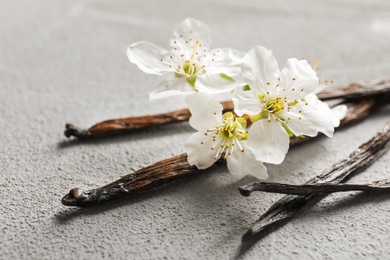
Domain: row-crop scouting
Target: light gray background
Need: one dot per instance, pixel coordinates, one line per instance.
(65, 61)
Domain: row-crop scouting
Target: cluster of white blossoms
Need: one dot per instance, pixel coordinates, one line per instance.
(269, 107)
(193, 66)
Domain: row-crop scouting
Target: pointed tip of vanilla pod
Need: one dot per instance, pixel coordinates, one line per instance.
(70, 199)
(244, 191)
(71, 130)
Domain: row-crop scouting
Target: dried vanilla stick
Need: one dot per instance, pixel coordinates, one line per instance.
(360, 90)
(132, 124)
(316, 188)
(177, 167)
(289, 205)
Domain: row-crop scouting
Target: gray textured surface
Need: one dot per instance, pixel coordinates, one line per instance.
(64, 61)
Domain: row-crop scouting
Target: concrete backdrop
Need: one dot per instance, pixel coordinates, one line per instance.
(65, 61)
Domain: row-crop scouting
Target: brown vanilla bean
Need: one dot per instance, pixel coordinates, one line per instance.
(132, 124)
(146, 178)
(307, 189)
(174, 168)
(290, 205)
(358, 90)
(120, 126)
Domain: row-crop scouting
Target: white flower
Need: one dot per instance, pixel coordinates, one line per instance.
(220, 135)
(281, 104)
(194, 67)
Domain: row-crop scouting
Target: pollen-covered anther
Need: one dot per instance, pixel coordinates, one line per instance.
(242, 150)
(293, 78)
(215, 113)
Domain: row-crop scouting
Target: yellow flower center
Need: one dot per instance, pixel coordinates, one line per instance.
(228, 133)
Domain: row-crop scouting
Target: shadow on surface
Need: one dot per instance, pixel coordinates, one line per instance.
(359, 198)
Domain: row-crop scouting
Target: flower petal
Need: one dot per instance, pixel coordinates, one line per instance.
(298, 79)
(314, 117)
(259, 67)
(214, 84)
(172, 87)
(246, 102)
(206, 112)
(147, 56)
(339, 112)
(336, 113)
(201, 155)
(192, 30)
(269, 141)
(226, 60)
(244, 163)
